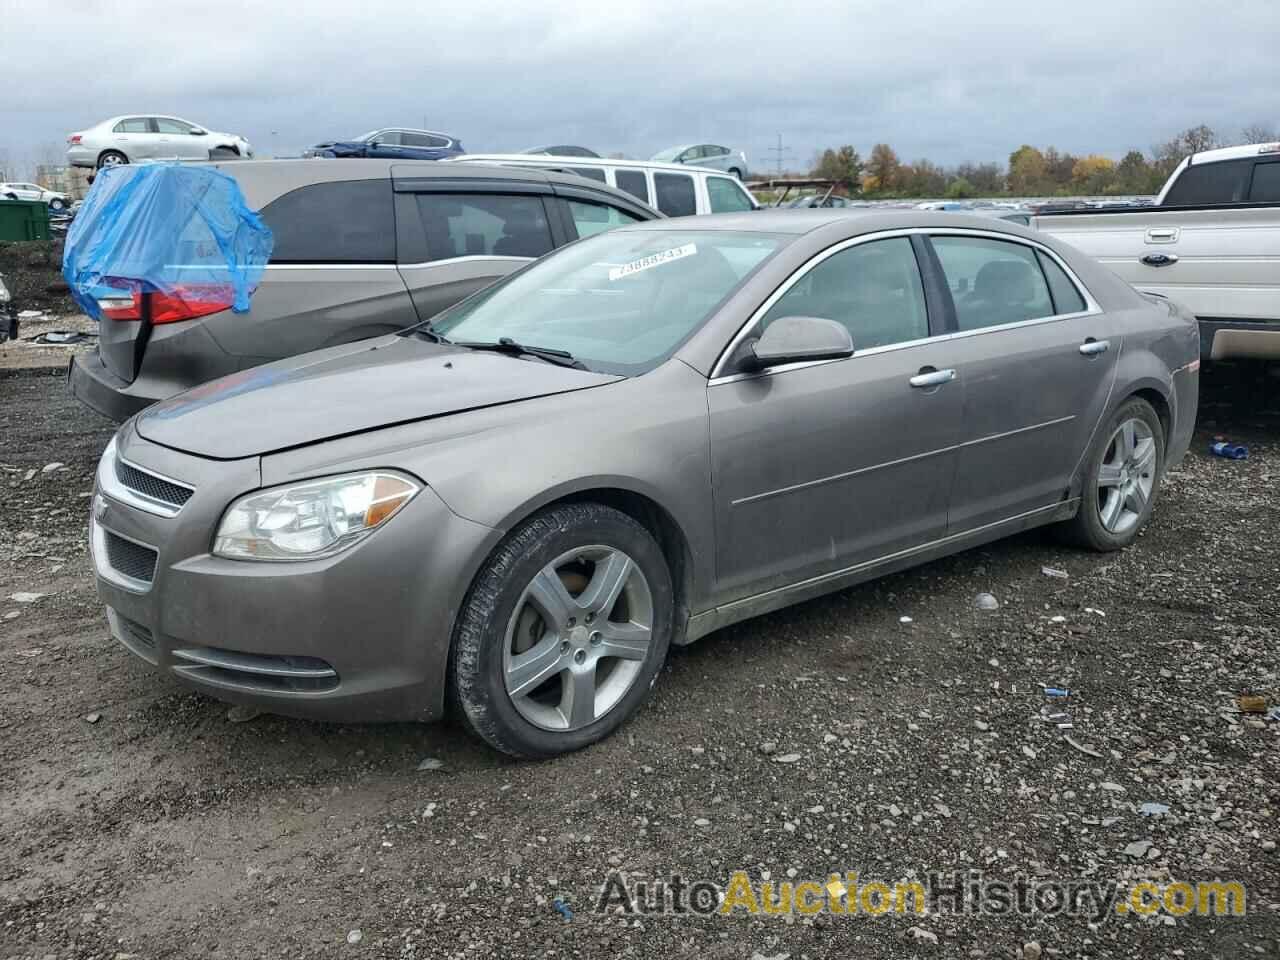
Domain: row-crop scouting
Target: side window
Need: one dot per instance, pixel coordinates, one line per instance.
(632, 181)
(1266, 183)
(593, 218)
(726, 196)
(874, 289)
(993, 282)
(389, 138)
(439, 143)
(415, 140)
(480, 225)
(1205, 183)
(133, 125)
(591, 173)
(348, 221)
(676, 197)
(165, 125)
(1066, 298)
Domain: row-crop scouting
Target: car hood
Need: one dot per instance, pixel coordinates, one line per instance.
(348, 389)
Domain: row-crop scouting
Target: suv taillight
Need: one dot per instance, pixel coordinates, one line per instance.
(128, 301)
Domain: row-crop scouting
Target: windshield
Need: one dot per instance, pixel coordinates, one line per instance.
(619, 302)
(666, 156)
(364, 137)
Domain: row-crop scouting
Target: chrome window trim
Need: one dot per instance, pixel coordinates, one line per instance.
(102, 564)
(109, 484)
(470, 257)
(717, 377)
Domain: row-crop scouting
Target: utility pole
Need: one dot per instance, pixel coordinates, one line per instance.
(780, 154)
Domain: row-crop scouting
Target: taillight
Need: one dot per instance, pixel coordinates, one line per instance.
(128, 301)
(74, 138)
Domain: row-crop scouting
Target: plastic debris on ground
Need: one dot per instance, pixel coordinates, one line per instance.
(182, 235)
(1153, 809)
(1229, 451)
(1250, 703)
(1055, 573)
(62, 338)
(431, 763)
(985, 601)
(562, 908)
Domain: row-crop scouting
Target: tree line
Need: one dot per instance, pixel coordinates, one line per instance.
(1030, 171)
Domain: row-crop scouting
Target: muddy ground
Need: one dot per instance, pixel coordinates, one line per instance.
(138, 820)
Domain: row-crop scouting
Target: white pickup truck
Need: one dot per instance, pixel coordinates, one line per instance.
(1211, 242)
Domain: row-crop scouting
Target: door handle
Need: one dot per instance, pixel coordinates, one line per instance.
(1091, 347)
(929, 377)
(1162, 235)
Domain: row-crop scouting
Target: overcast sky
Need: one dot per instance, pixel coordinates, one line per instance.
(953, 82)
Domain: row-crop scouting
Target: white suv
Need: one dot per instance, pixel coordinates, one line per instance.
(33, 191)
(677, 189)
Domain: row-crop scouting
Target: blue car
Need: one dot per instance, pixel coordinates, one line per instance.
(392, 143)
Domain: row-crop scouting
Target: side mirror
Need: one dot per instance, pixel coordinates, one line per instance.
(197, 132)
(799, 339)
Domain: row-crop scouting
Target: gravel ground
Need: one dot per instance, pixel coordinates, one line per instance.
(138, 820)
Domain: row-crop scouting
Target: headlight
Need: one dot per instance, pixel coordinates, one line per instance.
(4, 291)
(307, 521)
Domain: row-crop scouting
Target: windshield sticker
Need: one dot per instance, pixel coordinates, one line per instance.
(653, 260)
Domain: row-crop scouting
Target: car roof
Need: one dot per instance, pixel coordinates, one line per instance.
(850, 222)
(264, 180)
(1236, 153)
(528, 159)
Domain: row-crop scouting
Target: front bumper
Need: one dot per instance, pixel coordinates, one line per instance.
(361, 636)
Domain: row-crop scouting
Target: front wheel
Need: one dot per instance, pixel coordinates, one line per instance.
(1122, 475)
(563, 631)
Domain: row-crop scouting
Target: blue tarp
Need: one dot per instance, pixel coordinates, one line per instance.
(182, 231)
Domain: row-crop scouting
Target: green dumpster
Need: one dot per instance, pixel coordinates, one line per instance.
(24, 220)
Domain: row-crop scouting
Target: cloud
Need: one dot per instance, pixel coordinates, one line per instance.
(964, 81)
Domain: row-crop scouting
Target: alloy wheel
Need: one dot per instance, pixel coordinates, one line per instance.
(578, 637)
(1126, 476)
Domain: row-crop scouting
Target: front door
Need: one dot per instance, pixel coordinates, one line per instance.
(1037, 361)
(820, 467)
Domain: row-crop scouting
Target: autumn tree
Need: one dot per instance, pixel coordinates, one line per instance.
(884, 167)
(1093, 174)
(1027, 174)
(986, 179)
(844, 166)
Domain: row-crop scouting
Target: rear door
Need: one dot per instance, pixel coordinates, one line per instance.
(332, 276)
(1038, 360)
(455, 237)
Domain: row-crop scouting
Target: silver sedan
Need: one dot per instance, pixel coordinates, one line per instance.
(515, 509)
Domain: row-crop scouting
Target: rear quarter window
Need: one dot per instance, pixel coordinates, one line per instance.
(1266, 183)
(348, 221)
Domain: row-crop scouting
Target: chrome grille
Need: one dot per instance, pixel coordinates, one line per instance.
(131, 559)
(150, 486)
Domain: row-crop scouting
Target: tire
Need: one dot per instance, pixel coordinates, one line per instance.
(513, 666)
(111, 158)
(57, 205)
(1114, 508)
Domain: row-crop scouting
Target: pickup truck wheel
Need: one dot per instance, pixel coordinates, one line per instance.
(57, 204)
(563, 631)
(111, 158)
(1122, 474)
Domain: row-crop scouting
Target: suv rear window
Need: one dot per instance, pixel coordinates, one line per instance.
(348, 221)
(479, 225)
(1206, 183)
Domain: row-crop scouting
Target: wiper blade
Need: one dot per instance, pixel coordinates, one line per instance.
(506, 345)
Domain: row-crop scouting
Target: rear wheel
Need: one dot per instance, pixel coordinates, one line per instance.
(57, 203)
(1122, 477)
(563, 631)
(111, 158)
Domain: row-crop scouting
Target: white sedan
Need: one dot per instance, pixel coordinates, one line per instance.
(129, 139)
(33, 191)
